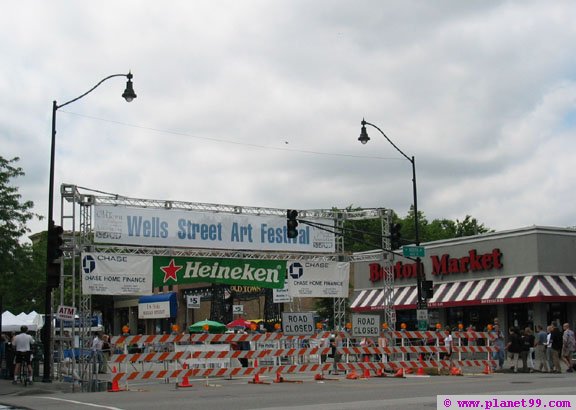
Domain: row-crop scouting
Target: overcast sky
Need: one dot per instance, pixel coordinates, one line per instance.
(259, 103)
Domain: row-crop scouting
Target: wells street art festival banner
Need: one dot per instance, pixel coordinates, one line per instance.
(115, 274)
(212, 230)
(118, 274)
(318, 279)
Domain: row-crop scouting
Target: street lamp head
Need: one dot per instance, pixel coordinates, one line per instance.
(129, 93)
(363, 138)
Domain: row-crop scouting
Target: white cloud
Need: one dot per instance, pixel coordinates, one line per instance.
(247, 102)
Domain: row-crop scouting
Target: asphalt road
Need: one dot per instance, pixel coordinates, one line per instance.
(374, 393)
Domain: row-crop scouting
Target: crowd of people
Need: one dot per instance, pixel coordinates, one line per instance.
(548, 351)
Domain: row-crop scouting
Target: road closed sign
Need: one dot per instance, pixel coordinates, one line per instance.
(298, 324)
(365, 325)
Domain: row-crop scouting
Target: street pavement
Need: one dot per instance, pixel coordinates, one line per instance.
(337, 393)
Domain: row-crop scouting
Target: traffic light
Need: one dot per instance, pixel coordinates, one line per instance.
(395, 235)
(55, 243)
(291, 223)
(53, 254)
(427, 289)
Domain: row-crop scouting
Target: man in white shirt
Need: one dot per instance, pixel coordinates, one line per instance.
(97, 358)
(22, 343)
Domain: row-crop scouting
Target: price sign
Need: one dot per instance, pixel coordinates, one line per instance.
(365, 325)
(193, 301)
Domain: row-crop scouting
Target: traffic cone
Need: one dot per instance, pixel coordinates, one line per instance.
(256, 380)
(352, 375)
(185, 382)
(420, 372)
(380, 373)
(399, 373)
(366, 373)
(487, 369)
(454, 371)
(115, 387)
(278, 379)
(318, 376)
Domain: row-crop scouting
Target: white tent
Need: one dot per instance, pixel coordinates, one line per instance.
(32, 320)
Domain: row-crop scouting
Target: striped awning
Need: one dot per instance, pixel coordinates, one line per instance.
(521, 289)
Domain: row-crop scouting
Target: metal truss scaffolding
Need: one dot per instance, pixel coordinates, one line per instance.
(81, 239)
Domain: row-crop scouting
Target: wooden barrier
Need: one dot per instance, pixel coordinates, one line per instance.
(207, 355)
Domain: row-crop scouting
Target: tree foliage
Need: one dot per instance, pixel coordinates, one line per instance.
(21, 269)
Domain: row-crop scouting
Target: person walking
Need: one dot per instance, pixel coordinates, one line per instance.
(22, 343)
(96, 350)
(556, 348)
(499, 343)
(528, 350)
(514, 347)
(568, 345)
(540, 349)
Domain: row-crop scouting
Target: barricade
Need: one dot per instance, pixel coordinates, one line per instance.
(208, 355)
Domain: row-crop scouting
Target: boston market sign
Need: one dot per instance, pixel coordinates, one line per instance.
(444, 265)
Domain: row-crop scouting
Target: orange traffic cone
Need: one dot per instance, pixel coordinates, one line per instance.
(454, 371)
(366, 373)
(487, 369)
(115, 387)
(278, 379)
(380, 373)
(185, 382)
(318, 376)
(256, 380)
(420, 372)
(399, 373)
(352, 375)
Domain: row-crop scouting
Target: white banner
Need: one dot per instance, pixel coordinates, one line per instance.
(212, 230)
(318, 279)
(116, 274)
(154, 310)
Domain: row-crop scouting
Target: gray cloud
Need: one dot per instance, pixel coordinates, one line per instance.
(259, 103)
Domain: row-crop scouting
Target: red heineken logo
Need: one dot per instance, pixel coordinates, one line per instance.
(170, 271)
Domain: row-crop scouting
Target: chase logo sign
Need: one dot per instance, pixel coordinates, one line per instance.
(296, 270)
(88, 264)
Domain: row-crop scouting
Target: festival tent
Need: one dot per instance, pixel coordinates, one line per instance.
(12, 323)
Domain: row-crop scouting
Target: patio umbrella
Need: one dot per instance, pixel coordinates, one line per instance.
(239, 323)
(213, 327)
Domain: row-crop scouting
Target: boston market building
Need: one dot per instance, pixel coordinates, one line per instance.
(523, 277)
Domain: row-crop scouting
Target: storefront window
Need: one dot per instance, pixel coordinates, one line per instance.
(521, 315)
(556, 313)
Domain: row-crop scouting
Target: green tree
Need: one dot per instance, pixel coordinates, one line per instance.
(19, 275)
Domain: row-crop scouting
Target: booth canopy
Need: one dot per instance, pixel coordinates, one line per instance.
(12, 323)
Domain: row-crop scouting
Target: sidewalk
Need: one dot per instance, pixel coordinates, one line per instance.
(9, 389)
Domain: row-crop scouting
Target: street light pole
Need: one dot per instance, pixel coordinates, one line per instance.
(128, 95)
(364, 138)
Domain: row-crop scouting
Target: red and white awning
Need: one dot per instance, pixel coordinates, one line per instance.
(521, 289)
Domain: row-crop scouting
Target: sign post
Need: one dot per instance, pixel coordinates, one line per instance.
(422, 318)
(365, 325)
(414, 251)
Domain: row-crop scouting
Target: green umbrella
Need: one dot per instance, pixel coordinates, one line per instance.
(213, 327)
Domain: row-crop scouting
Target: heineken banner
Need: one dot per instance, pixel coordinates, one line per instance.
(212, 230)
(318, 279)
(115, 274)
(244, 272)
(118, 274)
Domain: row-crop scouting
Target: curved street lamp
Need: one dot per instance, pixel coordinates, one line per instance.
(128, 95)
(364, 138)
